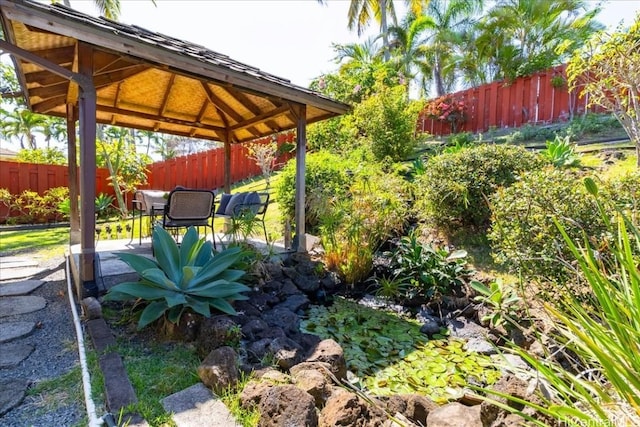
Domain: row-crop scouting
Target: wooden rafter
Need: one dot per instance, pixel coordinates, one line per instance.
(167, 93)
(153, 117)
(261, 118)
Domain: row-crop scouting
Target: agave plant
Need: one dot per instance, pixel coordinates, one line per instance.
(191, 277)
(561, 153)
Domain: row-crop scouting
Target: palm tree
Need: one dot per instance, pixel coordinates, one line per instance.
(524, 36)
(361, 12)
(409, 52)
(450, 19)
(54, 128)
(148, 137)
(21, 124)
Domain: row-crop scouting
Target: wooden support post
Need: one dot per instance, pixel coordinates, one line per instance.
(300, 112)
(227, 161)
(87, 109)
(74, 193)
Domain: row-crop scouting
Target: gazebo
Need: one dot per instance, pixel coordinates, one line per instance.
(94, 70)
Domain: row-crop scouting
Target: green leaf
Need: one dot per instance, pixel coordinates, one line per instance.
(204, 254)
(151, 313)
(167, 253)
(218, 264)
(175, 299)
(219, 289)
(138, 262)
(157, 276)
(591, 186)
(191, 244)
(138, 290)
(223, 306)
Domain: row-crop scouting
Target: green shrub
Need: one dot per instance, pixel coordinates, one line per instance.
(523, 235)
(336, 135)
(355, 225)
(456, 186)
(326, 176)
(189, 277)
(601, 385)
(387, 123)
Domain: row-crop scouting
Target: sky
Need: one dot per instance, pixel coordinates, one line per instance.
(289, 38)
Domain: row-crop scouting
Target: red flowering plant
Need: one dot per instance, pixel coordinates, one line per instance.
(447, 109)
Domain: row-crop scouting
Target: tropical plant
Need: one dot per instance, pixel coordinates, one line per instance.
(127, 168)
(522, 37)
(48, 156)
(607, 70)
(523, 236)
(449, 21)
(21, 124)
(602, 385)
(104, 202)
(561, 153)
(354, 226)
(387, 122)
(432, 272)
(502, 300)
(447, 109)
(189, 277)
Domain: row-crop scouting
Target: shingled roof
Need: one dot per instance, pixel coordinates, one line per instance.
(151, 81)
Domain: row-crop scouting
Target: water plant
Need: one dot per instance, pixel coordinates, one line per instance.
(189, 277)
(390, 355)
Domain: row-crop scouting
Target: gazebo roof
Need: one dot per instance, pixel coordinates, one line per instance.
(147, 80)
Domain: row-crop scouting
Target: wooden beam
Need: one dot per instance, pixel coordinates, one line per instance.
(49, 91)
(118, 76)
(74, 191)
(153, 117)
(59, 55)
(227, 161)
(261, 118)
(220, 104)
(300, 111)
(44, 78)
(167, 93)
(45, 106)
(87, 108)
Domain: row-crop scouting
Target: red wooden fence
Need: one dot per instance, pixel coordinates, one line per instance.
(528, 100)
(206, 169)
(200, 170)
(18, 177)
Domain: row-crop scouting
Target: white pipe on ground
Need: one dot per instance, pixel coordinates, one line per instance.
(94, 421)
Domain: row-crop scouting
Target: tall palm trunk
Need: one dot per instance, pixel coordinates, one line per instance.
(384, 28)
(437, 77)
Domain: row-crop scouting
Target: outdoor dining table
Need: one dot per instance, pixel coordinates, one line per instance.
(149, 203)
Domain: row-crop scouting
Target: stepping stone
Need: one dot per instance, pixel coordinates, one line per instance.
(19, 273)
(17, 262)
(23, 287)
(196, 406)
(12, 330)
(12, 391)
(13, 353)
(10, 306)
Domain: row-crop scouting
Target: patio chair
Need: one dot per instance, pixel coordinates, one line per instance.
(189, 207)
(252, 203)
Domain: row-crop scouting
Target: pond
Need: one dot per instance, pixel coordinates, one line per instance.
(388, 354)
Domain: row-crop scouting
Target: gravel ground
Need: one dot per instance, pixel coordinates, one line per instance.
(55, 355)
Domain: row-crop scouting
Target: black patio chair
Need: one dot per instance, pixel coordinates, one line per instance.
(189, 207)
